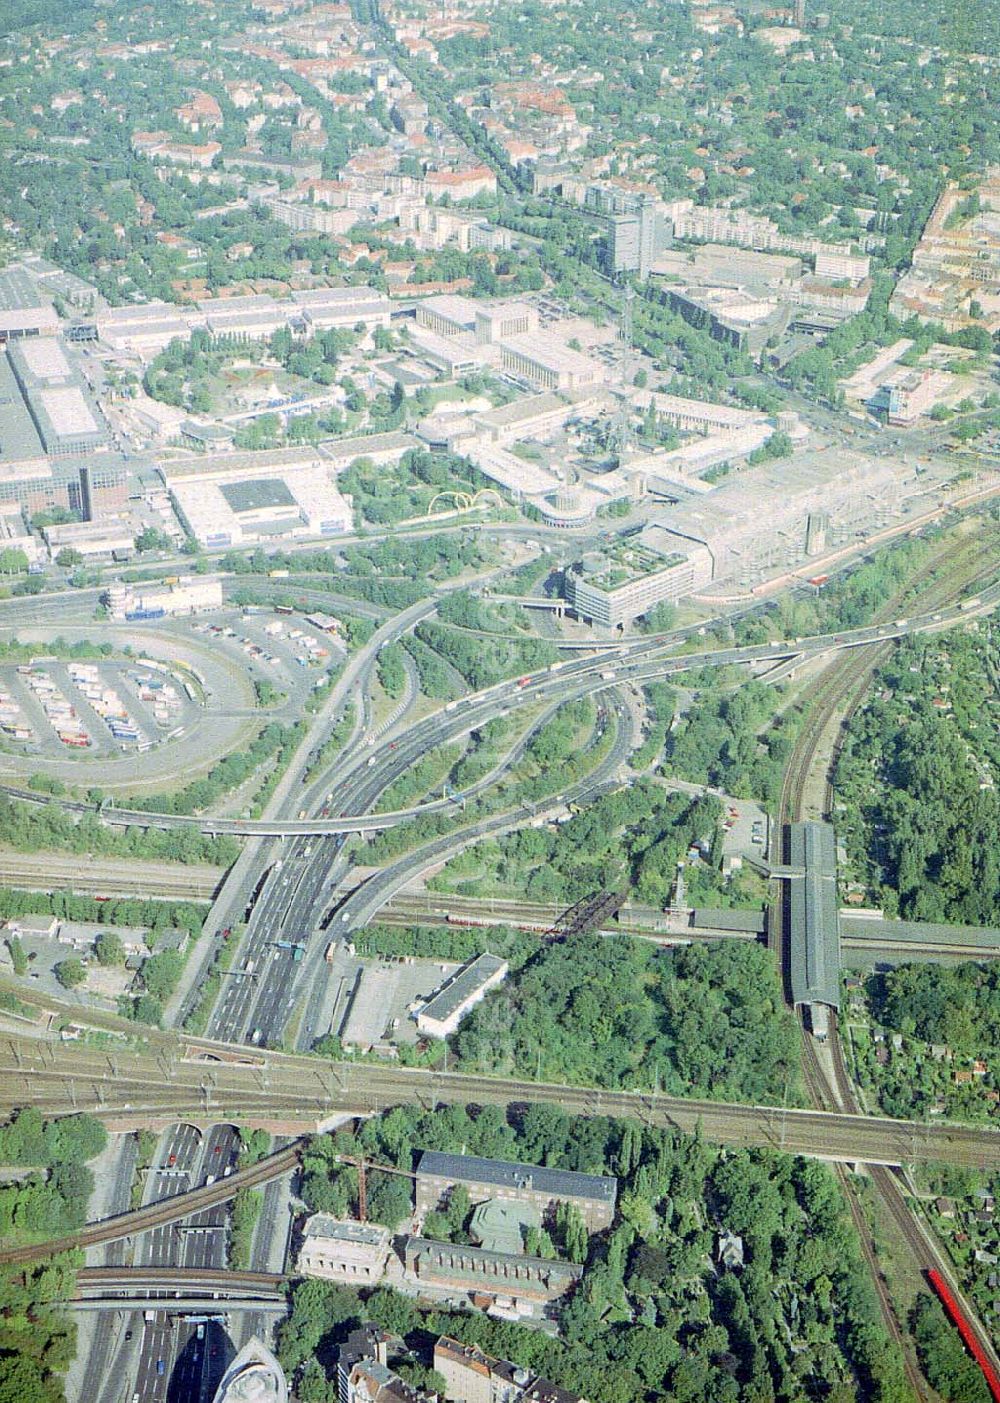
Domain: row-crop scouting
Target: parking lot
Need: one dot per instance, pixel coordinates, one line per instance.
(286, 650)
(372, 997)
(745, 829)
(54, 707)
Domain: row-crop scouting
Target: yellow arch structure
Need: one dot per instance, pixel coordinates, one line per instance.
(464, 501)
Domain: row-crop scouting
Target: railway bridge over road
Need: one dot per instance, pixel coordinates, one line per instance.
(129, 1087)
(818, 931)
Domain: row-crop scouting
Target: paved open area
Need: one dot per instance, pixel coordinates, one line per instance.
(141, 706)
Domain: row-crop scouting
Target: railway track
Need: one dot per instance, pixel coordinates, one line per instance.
(832, 700)
(80, 879)
(165, 1211)
(109, 1279)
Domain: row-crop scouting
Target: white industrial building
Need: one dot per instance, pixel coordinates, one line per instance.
(534, 416)
(192, 594)
(448, 314)
(339, 1249)
(92, 540)
(460, 992)
(766, 518)
(326, 307)
(254, 317)
(697, 415)
(452, 355)
(544, 359)
(240, 498)
(659, 577)
(499, 321)
(146, 329)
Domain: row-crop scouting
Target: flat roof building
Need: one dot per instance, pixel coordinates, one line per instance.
(325, 307)
(192, 594)
(438, 1173)
(621, 585)
(93, 540)
(447, 314)
(254, 317)
(380, 448)
(19, 439)
(542, 358)
(53, 392)
(23, 313)
(144, 330)
(503, 319)
(230, 498)
(766, 515)
(460, 992)
(453, 355)
(814, 921)
(696, 415)
(531, 416)
(338, 1249)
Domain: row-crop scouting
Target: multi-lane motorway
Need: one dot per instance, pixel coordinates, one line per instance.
(639, 661)
(299, 889)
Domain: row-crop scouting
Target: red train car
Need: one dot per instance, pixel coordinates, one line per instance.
(956, 1314)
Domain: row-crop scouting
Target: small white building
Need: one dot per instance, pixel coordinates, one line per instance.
(339, 1249)
(459, 993)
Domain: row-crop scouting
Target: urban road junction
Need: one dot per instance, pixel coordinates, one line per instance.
(635, 662)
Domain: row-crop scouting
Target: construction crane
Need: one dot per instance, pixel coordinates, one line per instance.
(362, 1165)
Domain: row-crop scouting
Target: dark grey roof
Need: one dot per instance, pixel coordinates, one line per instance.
(879, 931)
(461, 985)
(17, 291)
(426, 1247)
(18, 435)
(814, 924)
(256, 494)
(508, 1174)
(733, 918)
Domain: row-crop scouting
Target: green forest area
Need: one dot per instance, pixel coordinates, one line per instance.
(37, 1338)
(632, 837)
(916, 781)
(618, 1012)
(28, 828)
(657, 1316)
(933, 1045)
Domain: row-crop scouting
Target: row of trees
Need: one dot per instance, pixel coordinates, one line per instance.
(274, 743)
(28, 828)
(154, 916)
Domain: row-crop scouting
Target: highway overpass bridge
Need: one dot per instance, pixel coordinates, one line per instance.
(636, 663)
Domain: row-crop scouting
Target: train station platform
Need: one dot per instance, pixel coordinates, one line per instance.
(874, 938)
(813, 914)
